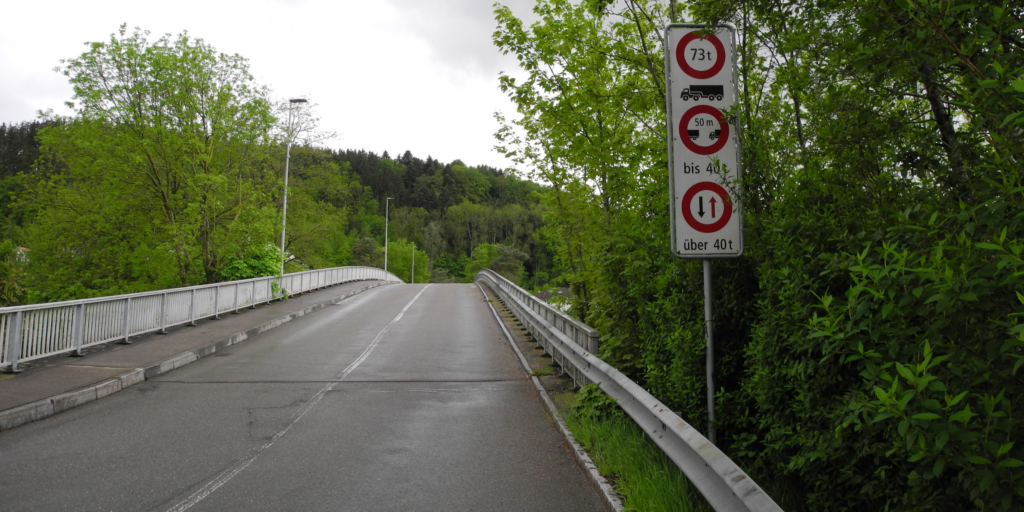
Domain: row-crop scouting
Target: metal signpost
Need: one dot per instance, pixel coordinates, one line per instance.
(704, 157)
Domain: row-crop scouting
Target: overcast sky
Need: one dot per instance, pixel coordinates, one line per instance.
(395, 75)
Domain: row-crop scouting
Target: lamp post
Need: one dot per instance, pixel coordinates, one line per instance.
(387, 210)
(287, 157)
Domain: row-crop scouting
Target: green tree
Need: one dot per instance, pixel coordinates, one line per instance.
(365, 252)
(161, 178)
(401, 261)
(505, 260)
(883, 226)
(12, 261)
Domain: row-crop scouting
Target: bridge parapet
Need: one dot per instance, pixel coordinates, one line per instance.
(41, 330)
(725, 486)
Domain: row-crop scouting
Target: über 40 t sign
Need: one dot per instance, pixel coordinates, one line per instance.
(704, 153)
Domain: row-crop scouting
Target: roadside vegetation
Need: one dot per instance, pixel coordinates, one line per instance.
(869, 342)
(170, 173)
(643, 476)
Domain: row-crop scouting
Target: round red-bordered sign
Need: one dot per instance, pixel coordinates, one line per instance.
(693, 146)
(726, 207)
(707, 73)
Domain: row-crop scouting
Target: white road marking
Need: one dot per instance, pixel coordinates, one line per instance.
(239, 466)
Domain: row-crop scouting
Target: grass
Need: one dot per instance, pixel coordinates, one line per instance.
(644, 477)
(540, 372)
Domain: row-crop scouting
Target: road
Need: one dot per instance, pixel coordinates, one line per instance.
(405, 397)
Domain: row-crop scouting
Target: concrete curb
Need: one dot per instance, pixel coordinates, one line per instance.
(582, 458)
(47, 407)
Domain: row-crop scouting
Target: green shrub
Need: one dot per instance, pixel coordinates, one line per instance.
(644, 477)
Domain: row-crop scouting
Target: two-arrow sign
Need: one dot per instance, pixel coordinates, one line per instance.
(700, 207)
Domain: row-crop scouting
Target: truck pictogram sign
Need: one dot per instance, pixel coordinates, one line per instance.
(696, 92)
(704, 160)
(711, 115)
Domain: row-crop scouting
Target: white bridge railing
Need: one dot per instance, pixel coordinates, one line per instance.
(573, 346)
(42, 330)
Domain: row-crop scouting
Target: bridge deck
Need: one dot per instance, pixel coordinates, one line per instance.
(400, 398)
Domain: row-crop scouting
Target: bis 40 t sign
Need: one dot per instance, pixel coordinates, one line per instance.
(704, 160)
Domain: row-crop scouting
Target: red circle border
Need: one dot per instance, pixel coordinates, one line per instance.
(726, 207)
(696, 148)
(707, 73)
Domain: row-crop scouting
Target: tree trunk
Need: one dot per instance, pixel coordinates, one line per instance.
(958, 175)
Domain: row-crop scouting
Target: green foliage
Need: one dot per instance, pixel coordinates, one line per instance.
(592, 403)
(401, 261)
(482, 257)
(12, 259)
(867, 344)
(321, 193)
(366, 253)
(643, 475)
(505, 260)
(257, 262)
(159, 180)
(454, 267)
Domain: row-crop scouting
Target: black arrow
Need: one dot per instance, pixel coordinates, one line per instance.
(700, 207)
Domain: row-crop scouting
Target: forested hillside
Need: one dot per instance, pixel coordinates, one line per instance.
(336, 217)
(869, 342)
(170, 173)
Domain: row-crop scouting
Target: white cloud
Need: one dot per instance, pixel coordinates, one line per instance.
(390, 75)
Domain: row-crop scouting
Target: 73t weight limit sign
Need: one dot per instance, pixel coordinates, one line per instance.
(704, 161)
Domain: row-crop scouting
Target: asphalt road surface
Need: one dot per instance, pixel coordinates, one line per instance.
(404, 397)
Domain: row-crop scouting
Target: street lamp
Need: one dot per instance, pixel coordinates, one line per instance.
(287, 157)
(387, 206)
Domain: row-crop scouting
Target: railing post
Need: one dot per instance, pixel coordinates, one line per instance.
(163, 313)
(216, 302)
(76, 330)
(127, 312)
(235, 305)
(192, 308)
(252, 294)
(14, 342)
(270, 290)
(594, 342)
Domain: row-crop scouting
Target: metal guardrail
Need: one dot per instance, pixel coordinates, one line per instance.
(726, 487)
(582, 335)
(42, 330)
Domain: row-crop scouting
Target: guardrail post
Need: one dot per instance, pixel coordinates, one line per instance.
(270, 290)
(127, 310)
(14, 342)
(163, 314)
(593, 342)
(76, 330)
(235, 305)
(216, 302)
(192, 308)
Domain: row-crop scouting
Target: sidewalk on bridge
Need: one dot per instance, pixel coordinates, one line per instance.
(58, 383)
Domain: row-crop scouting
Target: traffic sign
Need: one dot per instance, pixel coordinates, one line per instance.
(717, 213)
(704, 152)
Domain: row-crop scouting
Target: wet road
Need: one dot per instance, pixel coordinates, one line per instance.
(404, 397)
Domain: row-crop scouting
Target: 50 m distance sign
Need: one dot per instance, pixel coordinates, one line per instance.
(704, 163)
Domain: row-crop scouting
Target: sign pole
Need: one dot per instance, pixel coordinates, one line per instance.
(704, 158)
(708, 331)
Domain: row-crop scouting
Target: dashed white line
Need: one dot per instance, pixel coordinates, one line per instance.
(240, 465)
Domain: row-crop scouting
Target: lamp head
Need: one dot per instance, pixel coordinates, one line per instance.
(298, 100)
